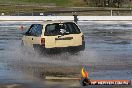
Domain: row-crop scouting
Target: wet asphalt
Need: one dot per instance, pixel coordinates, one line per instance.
(107, 56)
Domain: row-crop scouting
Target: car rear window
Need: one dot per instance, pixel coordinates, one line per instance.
(61, 28)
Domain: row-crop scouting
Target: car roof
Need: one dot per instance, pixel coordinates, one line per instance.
(51, 22)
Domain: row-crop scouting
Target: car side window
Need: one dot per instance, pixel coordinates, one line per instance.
(35, 30)
(28, 32)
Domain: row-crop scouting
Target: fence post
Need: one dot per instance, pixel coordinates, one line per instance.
(111, 12)
(130, 11)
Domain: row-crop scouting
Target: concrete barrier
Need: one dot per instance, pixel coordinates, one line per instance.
(35, 18)
(105, 18)
(71, 18)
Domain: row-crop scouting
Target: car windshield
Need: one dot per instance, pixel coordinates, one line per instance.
(61, 29)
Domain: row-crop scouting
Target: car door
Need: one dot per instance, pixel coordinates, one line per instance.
(27, 38)
(36, 34)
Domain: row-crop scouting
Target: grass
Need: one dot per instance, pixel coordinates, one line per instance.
(9, 6)
(54, 2)
(46, 2)
(13, 7)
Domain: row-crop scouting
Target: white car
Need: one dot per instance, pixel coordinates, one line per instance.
(54, 35)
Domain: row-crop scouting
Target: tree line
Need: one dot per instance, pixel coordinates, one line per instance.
(106, 3)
